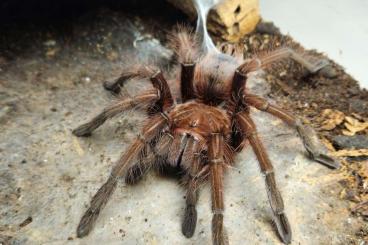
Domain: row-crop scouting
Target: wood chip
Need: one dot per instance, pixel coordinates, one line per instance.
(350, 153)
(353, 126)
(331, 118)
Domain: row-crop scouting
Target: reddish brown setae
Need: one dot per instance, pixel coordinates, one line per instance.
(197, 123)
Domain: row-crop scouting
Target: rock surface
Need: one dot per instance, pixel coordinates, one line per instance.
(350, 142)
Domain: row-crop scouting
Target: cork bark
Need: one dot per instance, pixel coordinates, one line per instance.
(230, 19)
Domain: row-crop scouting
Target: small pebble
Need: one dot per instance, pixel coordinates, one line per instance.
(328, 71)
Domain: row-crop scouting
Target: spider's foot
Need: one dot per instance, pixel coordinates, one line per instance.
(190, 221)
(86, 224)
(83, 130)
(112, 86)
(283, 227)
(219, 235)
(324, 68)
(325, 159)
(328, 71)
(97, 204)
(316, 150)
(319, 66)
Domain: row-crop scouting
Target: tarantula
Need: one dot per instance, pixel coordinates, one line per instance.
(197, 123)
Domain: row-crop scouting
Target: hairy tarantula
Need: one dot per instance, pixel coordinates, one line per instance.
(198, 122)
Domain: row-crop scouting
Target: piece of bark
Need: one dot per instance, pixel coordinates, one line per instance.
(229, 19)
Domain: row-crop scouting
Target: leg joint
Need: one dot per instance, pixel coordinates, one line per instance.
(218, 211)
(216, 160)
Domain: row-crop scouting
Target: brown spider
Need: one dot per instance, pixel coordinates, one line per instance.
(197, 123)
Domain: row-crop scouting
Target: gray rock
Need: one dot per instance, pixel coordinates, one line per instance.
(349, 142)
(358, 105)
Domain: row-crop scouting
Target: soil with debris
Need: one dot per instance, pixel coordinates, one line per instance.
(330, 100)
(50, 82)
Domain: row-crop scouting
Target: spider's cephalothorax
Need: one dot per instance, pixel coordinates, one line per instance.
(197, 122)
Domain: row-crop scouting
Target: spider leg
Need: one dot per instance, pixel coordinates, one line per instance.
(190, 215)
(166, 100)
(186, 81)
(281, 53)
(115, 85)
(162, 98)
(115, 109)
(136, 172)
(152, 155)
(315, 149)
(196, 174)
(128, 73)
(274, 196)
(185, 46)
(236, 104)
(216, 162)
(99, 200)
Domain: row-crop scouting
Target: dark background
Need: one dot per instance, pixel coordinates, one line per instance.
(39, 11)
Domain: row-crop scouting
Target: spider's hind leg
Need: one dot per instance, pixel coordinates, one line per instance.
(316, 150)
(274, 195)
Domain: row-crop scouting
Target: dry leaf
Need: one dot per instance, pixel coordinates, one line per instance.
(328, 144)
(350, 153)
(357, 116)
(364, 169)
(353, 126)
(331, 118)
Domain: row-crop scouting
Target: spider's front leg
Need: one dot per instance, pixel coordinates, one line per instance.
(190, 215)
(126, 161)
(194, 178)
(152, 130)
(128, 73)
(216, 162)
(115, 109)
(316, 150)
(277, 205)
(157, 100)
